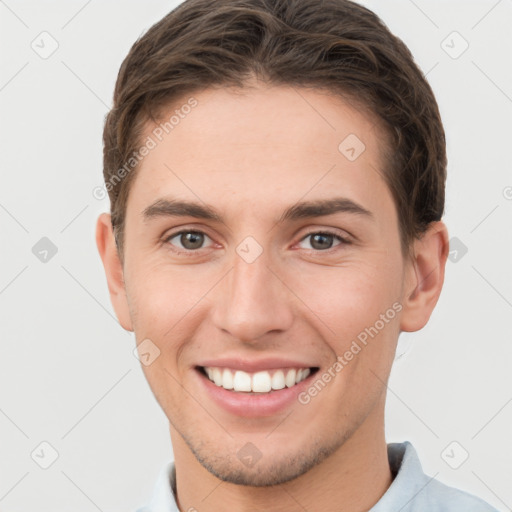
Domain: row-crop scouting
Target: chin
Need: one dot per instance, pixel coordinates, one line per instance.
(269, 469)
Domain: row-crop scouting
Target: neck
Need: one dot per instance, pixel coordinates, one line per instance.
(356, 475)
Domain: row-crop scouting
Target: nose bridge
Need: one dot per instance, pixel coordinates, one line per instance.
(253, 300)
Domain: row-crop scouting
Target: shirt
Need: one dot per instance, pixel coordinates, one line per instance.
(411, 490)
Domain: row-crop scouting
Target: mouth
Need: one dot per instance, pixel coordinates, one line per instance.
(256, 383)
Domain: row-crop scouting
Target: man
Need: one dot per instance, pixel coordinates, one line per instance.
(276, 171)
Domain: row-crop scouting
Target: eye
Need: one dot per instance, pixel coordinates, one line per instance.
(323, 240)
(190, 240)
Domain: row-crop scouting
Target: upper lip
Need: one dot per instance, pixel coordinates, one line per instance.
(250, 366)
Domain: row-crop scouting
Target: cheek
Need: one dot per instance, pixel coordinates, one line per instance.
(160, 296)
(167, 307)
(347, 300)
(162, 308)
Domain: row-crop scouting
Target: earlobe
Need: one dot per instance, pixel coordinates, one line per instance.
(113, 270)
(425, 277)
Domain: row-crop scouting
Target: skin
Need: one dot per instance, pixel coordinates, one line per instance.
(250, 155)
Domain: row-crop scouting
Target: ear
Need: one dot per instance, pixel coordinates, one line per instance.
(424, 277)
(113, 270)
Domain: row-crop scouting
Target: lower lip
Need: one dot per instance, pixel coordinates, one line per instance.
(250, 405)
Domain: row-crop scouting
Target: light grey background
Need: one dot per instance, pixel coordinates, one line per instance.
(68, 376)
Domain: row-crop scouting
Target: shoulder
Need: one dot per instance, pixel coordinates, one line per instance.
(414, 491)
(443, 498)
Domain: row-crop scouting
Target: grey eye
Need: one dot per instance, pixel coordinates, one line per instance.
(189, 240)
(320, 241)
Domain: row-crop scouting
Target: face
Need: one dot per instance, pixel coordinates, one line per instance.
(256, 245)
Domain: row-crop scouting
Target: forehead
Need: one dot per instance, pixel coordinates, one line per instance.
(260, 145)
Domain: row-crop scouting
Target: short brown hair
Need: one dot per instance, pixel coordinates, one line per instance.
(335, 45)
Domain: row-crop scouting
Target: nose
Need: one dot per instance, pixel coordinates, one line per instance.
(253, 300)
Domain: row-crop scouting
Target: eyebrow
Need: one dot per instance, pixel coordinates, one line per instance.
(302, 210)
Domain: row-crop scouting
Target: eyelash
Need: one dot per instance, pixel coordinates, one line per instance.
(189, 252)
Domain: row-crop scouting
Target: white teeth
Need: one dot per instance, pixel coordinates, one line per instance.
(259, 382)
(241, 381)
(278, 380)
(217, 376)
(227, 379)
(302, 374)
(290, 378)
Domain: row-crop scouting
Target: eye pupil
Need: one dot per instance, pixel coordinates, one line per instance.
(322, 238)
(192, 240)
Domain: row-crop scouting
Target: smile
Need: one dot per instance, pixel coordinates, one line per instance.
(258, 382)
